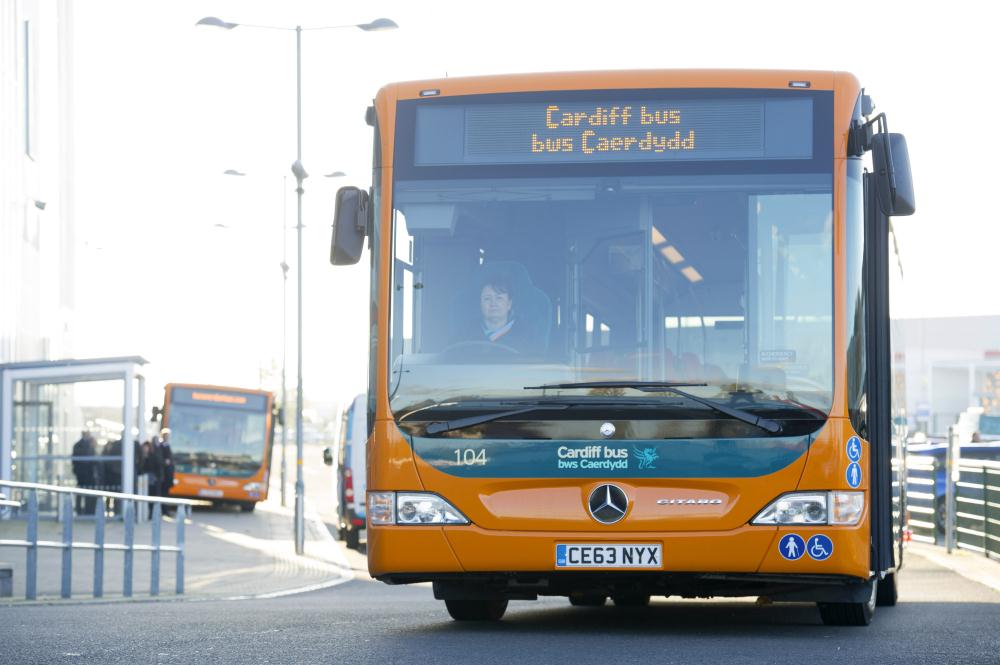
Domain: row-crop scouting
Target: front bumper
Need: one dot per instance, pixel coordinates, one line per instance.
(394, 552)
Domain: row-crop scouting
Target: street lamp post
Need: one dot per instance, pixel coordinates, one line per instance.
(284, 336)
(300, 174)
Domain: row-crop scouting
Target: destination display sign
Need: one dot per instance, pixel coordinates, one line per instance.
(218, 398)
(640, 130)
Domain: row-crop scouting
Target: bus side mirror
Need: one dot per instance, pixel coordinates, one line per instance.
(350, 226)
(892, 173)
(328, 456)
(157, 412)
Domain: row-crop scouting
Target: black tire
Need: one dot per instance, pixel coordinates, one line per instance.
(630, 600)
(476, 610)
(352, 538)
(849, 614)
(248, 506)
(887, 593)
(587, 600)
(940, 514)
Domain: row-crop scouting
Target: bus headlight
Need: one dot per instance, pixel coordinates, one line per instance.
(407, 508)
(819, 508)
(253, 487)
(424, 508)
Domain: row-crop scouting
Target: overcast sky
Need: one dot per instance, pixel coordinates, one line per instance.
(181, 263)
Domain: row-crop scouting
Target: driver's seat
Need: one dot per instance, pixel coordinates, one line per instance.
(532, 307)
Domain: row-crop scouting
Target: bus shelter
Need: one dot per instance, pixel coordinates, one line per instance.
(40, 419)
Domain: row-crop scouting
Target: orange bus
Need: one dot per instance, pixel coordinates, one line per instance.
(221, 442)
(630, 337)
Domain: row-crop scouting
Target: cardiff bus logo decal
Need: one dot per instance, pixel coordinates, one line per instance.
(646, 457)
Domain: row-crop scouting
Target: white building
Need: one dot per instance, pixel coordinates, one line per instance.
(37, 241)
(952, 363)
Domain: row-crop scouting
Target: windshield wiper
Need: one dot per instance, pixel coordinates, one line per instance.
(459, 423)
(765, 424)
(558, 404)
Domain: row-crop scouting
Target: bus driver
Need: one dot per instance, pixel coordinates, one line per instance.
(496, 305)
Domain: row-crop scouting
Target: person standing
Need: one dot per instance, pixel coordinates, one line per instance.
(146, 463)
(85, 470)
(112, 467)
(165, 462)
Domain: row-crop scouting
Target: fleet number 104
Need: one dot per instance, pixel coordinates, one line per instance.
(470, 457)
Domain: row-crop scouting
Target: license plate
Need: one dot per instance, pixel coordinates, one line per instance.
(603, 555)
(211, 494)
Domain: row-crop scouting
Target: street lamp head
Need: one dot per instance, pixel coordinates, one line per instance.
(299, 171)
(233, 172)
(216, 23)
(378, 24)
(335, 174)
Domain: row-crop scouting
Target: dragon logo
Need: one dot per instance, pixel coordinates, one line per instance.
(646, 457)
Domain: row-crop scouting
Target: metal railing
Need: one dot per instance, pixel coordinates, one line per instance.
(128, 503)
(977, 507)
(922, 498)
(954, 502)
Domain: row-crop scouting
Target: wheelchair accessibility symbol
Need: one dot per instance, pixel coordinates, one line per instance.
(854, 449)
(819, 547)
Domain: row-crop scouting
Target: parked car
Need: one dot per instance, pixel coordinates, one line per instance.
(350, 476)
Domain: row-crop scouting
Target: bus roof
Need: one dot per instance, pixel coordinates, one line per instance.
(613, 79)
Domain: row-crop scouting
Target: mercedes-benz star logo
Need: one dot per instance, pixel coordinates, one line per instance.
(608, 504)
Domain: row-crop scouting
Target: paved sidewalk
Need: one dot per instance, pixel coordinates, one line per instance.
(228, 554)
(972, 566)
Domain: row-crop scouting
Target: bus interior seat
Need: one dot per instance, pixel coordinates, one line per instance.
(532, 307)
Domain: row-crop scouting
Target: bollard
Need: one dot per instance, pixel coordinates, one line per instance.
(951, 467)
(67, 542)
(154, 573)
(986, 512)
(142, 509)
(99, 551)
(128, 517)
(181, 511)
(31, 578)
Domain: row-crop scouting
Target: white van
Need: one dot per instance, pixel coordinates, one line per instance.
(351, 477)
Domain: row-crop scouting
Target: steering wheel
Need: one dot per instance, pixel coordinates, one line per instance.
(479, 348)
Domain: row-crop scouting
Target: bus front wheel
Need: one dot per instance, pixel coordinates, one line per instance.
(850, 614)
(887, 593)
(476, 610)
(248, 506)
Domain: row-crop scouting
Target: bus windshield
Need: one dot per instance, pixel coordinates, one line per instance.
(544, 263)
(217, 439)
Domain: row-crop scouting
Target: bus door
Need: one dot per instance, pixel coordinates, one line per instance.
(891, 174)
